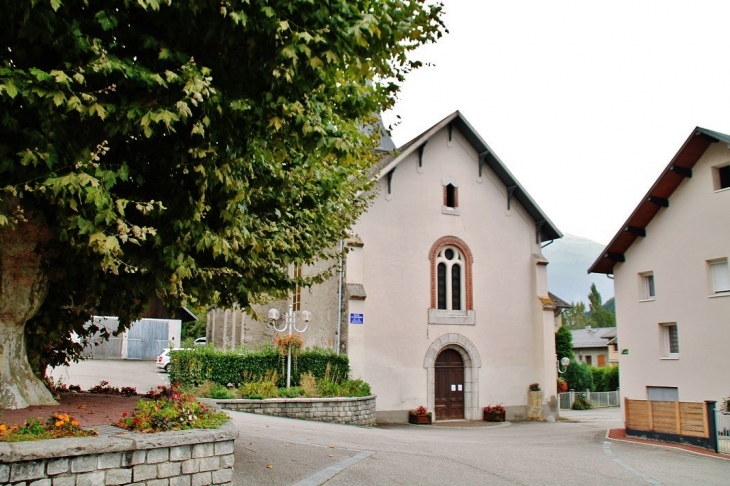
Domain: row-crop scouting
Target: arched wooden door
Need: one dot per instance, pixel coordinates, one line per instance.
(449, 399)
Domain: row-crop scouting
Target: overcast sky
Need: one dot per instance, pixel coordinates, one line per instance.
(584, 101)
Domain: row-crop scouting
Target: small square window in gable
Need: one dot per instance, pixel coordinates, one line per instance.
(450, 196)
(721, 177)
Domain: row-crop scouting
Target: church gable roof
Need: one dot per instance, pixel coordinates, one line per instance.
(487, 157)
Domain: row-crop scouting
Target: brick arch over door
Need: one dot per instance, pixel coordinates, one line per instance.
(464, 248)
(472, 363)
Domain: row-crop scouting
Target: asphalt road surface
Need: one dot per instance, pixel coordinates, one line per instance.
(279, 451)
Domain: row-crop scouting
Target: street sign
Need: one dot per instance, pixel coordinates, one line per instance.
(357, 318)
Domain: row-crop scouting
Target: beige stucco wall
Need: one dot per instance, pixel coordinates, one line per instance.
(679, 241)
(389, 350)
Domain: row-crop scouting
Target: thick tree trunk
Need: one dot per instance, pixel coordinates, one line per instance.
(22, 291)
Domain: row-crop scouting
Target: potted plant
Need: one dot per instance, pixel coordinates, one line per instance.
(494, 413)
(419, 416)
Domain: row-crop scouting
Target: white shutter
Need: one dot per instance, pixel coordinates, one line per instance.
(720, 276)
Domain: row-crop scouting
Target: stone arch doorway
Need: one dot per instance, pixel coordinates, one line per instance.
(449, 386)
(471, 364)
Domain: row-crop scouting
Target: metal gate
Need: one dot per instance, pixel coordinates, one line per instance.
(723, 432)
(146, 339)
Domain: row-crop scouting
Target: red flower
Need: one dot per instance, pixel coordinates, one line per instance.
(136, 421)
(124, 414)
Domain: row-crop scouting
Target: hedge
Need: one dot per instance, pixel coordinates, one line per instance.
(191, 367)
(605, 378)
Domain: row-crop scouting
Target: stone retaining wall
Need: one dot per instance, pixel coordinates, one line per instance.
(188, 457)
(341, 410)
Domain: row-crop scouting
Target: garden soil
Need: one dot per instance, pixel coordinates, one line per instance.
(89, 409)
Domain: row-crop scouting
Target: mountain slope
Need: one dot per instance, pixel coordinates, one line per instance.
(569, 259)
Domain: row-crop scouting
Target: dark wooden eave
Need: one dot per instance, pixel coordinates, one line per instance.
(678, 169)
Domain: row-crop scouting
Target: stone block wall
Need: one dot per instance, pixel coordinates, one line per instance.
(190, 457)
(341, 410)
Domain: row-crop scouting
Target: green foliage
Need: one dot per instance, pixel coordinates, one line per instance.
(354, 388)
(599, 317)
(210, 389)
(292, 392)
(258, 389)
(259, 386)
(192, 150)
(605, 378)
(564, 343)
(193, 330)
(575, 317)
(578, 376)
(610, 305)
(195, 366)
(581, 403)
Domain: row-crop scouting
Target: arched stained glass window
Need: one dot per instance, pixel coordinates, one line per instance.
(450, 279)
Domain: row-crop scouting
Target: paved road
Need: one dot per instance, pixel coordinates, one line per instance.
(278, 451)
(525, 453)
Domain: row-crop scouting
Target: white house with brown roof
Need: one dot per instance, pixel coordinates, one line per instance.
(672, 284)
(444, 300)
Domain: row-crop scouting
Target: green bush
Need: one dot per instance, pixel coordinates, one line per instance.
(578, 376)
(354, 388)
(293, 392)
(605, 378)
(192, 367)
(259, 390)
(581, 403)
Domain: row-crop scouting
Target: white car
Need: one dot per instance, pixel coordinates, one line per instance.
(163, 360)
(201, 341)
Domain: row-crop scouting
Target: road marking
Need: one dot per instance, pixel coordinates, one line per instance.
(329, 472)
(612, 455)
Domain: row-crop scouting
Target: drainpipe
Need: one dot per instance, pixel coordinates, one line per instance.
(339, 301)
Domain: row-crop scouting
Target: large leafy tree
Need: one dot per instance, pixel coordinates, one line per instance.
(185, 149)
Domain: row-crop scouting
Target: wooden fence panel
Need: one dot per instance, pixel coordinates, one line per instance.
(694, 419)
(637, 415)
(665, 417)
(680, 418)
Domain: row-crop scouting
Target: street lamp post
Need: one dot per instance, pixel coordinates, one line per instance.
(290, 322)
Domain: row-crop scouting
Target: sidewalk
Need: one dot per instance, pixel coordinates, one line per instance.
(620, 435)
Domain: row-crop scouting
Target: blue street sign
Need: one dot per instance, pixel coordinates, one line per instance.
(357, 318)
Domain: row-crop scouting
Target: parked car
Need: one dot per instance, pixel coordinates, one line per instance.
(201, 341)
(163, 360)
